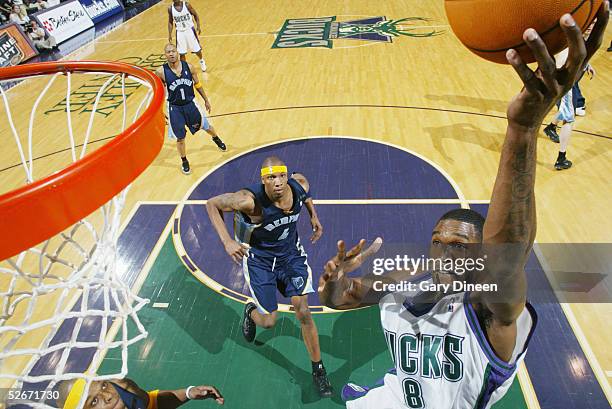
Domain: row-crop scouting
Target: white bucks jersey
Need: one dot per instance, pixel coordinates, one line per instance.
(182, 19)
(441, 355)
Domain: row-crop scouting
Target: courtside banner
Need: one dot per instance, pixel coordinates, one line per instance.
(15, 46)
(64, 21)
(99, 10)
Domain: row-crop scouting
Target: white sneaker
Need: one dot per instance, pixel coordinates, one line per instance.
(203, 65)
(581, 111)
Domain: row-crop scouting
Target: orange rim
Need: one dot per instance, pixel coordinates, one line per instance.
(42, 209)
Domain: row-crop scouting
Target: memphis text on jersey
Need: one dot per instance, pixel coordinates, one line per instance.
(181, 81)
(282, 221)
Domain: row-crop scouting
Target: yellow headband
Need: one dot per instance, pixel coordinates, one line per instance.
(74, 397)
(268, 170)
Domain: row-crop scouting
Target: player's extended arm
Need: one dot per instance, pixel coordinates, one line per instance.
(174, 399)
(195, 16)
(510, 227)
(170, 24)
(199, 87)
(317, 227)
(241, 201)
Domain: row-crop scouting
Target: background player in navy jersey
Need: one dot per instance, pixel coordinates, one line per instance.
(180, 79)
(268, 246)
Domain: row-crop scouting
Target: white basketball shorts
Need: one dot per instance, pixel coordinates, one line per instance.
(187, 41)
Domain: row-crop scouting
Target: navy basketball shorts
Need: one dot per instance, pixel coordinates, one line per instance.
(291, 275)
(188, 115)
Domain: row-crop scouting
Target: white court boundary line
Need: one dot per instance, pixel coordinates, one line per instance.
(455, 186)
(599, 373)
(97, 40)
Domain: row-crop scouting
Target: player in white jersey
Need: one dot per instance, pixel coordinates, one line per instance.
(181, 15)
(452, 348)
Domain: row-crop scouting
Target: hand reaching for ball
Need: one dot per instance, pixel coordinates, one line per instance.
(544, 86)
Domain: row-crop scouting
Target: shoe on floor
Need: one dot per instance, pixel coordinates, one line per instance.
(551, 132)
(319, 378)
(563, 164)
(203, 65)
(185, 167)
(248, 325)
(581, 111)
(219, 143)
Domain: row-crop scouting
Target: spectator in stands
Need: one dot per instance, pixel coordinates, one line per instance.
(5, 10)
(30, 6)
(42, 4)
(19, 15)
(41, 40)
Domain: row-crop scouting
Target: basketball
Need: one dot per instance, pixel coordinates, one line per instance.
(489, 28)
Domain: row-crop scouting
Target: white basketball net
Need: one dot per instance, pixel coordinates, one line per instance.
(65, 296)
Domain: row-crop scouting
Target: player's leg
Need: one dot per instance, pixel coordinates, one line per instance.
(566, 114)
(295, 281)
(176, 130)
(195, 47)
(264, 320)
(181, 44)
(309, 329)
(260, 279)
(201, 58)
(201, 121)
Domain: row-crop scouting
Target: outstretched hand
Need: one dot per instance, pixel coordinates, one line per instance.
(544, 86)
(205, 392)
(335, 288)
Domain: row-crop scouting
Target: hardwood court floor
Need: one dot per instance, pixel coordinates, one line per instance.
(429, 95)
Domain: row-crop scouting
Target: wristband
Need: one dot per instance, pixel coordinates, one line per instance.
(187, 392)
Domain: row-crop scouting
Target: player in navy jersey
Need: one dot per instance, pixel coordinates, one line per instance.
(267, 244)
(180, 78)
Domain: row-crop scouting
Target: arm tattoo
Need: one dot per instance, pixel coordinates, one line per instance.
(518, 220)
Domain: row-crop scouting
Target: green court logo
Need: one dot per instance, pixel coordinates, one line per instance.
(321, 31)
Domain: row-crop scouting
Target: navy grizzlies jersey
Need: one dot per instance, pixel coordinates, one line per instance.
(276, 235)
(180, 89)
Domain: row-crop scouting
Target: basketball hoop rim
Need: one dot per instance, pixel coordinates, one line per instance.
(37, 211)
